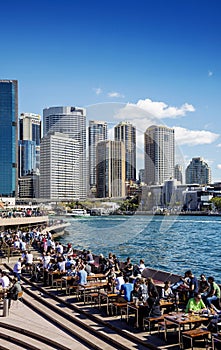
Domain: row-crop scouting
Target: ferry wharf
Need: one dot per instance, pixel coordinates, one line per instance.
(48, 318)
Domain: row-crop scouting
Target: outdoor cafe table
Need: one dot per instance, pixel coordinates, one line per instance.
(91, 286)
(108, 296)
(180, 319)
(96, 276)
(135, 307)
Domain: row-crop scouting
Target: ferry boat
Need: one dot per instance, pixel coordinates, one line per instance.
(78, 213)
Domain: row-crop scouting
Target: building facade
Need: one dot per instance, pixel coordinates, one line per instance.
(178, 173)
(97, 131)
(59, 167)
(198, 172)
(126, 133)
(8, 137)
(159, 153)
(29, 143)
(70, 121)
(110, 169)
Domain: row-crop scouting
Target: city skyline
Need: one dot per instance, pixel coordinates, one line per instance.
(160, 58)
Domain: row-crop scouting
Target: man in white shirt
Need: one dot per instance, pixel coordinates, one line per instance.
(29, 260)
(4, 280)
(17, 269)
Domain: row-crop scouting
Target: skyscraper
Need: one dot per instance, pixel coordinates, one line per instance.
(198, 172)
(110, 169)
(59, 167)
(126, 133)
(70, 121)
(178, 173)
(159, 154)
(8, 137)
(29, 143)
(97, 131)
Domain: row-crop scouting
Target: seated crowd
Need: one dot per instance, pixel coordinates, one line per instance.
(124, 279)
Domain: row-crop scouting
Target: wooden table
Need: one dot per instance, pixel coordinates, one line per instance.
(96, 276)
(108, 297)
(67, 279)
(135, 308)
(91, 286)
(180, 319)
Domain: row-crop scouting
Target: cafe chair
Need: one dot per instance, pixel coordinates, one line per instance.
(194, 334)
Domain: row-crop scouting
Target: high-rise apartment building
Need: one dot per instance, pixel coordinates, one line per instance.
(29, 144)
(70, 121)
(97, 131)
(8, 137)
(126, 133)
(59, 167)
(198, 172)
(159, 154)
(178, 173)
(110, 169)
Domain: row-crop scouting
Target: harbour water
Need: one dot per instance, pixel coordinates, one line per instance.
(169, 243)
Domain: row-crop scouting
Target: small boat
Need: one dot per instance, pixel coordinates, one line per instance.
(78, 213)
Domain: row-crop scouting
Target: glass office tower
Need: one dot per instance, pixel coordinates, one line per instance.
(8, 137)
(97, 131)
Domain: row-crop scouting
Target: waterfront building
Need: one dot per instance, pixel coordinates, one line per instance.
(126, 133)
(70, 121)
(178, 173)
(141, 175)
(29, 143)
(159, 153)
(29, 186)
(198, 172)
(60, 174)
(8, 137)
(110, 169)
(97, 131)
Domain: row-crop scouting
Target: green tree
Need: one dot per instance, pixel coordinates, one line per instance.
(217, 202)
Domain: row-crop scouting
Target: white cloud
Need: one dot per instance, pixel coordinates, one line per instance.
(194, 137)
(115, 94)
(210, 73)
(98, 91)
(219, 166)
(162, 110)
(219, 145)
(152, 109)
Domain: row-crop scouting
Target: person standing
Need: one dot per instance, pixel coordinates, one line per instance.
(17, 269)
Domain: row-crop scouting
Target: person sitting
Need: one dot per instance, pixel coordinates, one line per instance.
(151, 308)
(128, 268)
(203, 285)
(136, 293)
(126, 290)
(89, 257)
(213, 293)
(119, 281)
(141, 266)
(195, 304)
(144, 289)
(167, 292)
(13, 291)
(82, 275)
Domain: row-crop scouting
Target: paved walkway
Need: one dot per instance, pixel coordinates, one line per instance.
(22, 316)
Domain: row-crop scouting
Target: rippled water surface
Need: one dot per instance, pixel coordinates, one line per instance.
(169, 243)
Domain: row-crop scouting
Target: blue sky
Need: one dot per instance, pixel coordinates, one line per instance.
(134, 60)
